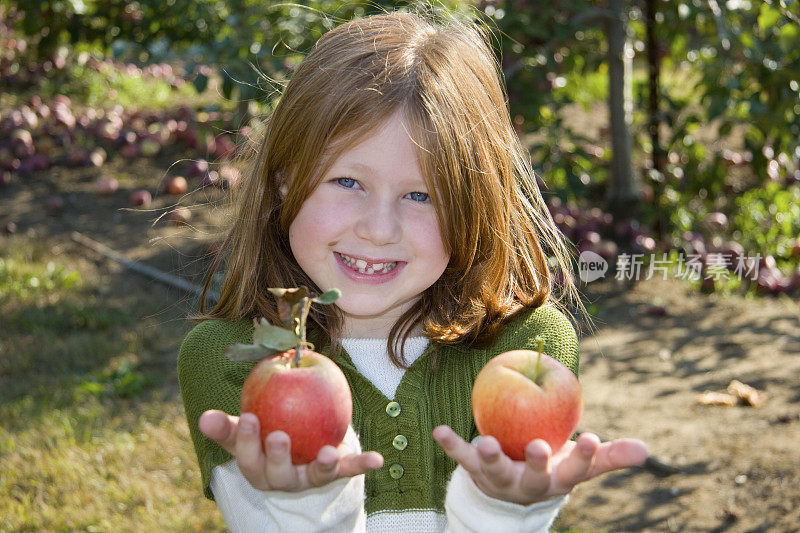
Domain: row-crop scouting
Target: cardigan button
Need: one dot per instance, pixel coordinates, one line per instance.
(396, 471)
(393, 409)
(400, 442)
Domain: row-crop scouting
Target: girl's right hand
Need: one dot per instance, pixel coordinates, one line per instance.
(274, 470)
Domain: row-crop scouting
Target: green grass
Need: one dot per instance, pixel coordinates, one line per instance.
(93, 436)
(87, 87)
(95, 89)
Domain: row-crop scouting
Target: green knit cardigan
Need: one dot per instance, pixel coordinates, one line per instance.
(416, 469)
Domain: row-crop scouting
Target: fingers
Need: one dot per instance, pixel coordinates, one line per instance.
(589, 458)
(248, 451)
(490, 468)
(324, 468)
(219, 427)
(578, 464)
(460, 450)
(535, 479)
(353, 465)
(495, 465)
(620, 453)
(280, 473)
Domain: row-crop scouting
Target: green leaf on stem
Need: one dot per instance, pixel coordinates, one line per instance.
(328, 297)
(274, 337)
(249, 352)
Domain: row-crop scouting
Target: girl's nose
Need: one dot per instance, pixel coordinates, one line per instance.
(379, 223)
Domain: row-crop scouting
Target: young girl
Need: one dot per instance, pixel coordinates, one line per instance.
(390, 170)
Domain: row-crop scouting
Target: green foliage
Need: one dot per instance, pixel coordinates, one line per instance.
(739, 68)
(726, 66)
(768, 219)
(95, 88)
(553, 56)
(267, 340)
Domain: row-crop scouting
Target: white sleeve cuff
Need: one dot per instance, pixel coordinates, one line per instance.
(336, 507)
(470, 509)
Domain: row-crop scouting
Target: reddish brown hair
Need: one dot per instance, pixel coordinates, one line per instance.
(443, 76)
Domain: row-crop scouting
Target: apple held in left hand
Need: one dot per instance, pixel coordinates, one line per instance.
(524, 454)
(522, 395)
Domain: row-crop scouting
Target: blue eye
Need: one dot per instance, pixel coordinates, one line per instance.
(418, 196)
(346, 182)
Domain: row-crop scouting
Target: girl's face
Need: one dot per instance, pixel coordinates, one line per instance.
(370, 229)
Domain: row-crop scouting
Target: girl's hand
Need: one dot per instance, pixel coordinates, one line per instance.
(542, 475)
(274, 470)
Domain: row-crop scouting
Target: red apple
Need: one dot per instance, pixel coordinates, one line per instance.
(76, 156)
(106, 186)
(176, 186)
(141, 198)
(130, 151)
(211, 179)
(180, 216)
(97, 157)
(198, 168)
(224, 147)
(796, 248)
(229, 176)
(311, 402)
(522, 395)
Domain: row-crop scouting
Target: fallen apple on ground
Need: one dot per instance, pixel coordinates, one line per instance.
(141, 198)
(295, 390)
(176, 185)
(180, 216)
(106, 185)
(522, 395)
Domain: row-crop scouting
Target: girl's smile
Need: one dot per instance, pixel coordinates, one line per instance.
(369, 270)
(370, 229)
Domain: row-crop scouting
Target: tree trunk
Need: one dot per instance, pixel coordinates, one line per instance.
(654, 70)
(623, 193)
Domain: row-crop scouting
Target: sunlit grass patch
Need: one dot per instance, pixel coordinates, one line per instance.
(102, 467)
(93, 436)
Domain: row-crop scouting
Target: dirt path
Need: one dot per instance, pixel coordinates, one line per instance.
(642, 374)
(739, 466)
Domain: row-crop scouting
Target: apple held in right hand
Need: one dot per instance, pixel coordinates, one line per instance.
(293, 388)
(309, 399)
(522, 395)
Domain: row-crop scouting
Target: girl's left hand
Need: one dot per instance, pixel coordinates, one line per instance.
(542, 475)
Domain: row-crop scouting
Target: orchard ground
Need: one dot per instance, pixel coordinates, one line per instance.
(93, 434)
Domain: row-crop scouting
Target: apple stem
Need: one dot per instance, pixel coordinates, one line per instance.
(305, 308)
(539, 358)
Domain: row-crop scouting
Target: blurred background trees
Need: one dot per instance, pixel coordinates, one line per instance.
(660, 113)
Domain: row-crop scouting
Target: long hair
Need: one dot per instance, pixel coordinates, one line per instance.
(444, 78)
